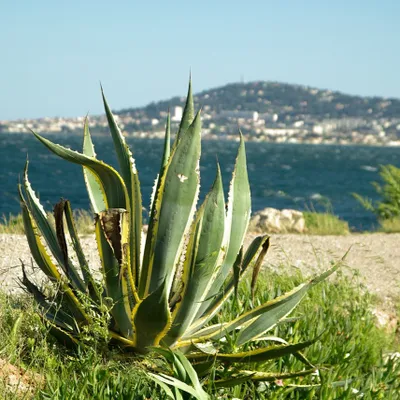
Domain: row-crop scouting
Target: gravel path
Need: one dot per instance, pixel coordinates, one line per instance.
(376, 256)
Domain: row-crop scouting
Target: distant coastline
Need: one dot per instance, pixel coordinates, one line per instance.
(339, 141)
(265, 112)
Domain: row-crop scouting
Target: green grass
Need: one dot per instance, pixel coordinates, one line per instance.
(389, 225)
(12, 224)
(325, 224)
(351, 347)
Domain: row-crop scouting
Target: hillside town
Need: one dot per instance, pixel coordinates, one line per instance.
(294, 115)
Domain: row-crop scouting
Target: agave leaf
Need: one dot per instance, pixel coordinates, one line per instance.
(115, 290)
(34, 242)
(167, 142)
(76, 244)
(37, 212)
(122, 341)
(44, 262)
(204, 368)
(157, 182)
(111, 183)
(173, 210)
(216, 303)
(258, 376)
(182, 293)
(260, 242)
(237, 268)
(207, 347)
(258, 355)
(235, 379)
(130, 177)
(299, 355)
(152, 319)
(273, 311)
(279, 308)
(198, 279)
(93, 186)
(257, 267)
(239, 208)
(62, 325)
(60, 233)
(63, 336)
(187, 338)
(54, 314)
(264, 317)
(187, 116)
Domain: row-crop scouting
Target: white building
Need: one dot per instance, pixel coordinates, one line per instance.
(177, 114)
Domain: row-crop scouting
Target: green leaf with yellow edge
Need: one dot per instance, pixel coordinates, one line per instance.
(152, 319)
(63, 336)
(274, 311)
(198, 273)
(167, 143)
(237, 221)
(257, 267)
(174, 208)
(258, 376)
(300, 356)
(187, 116)
(110, 258)
(36, 211)
(130, 177)
(93, 186)
(76, 244)
(110, 181)
(155, 210)
(52, 311)
(254, 250)
(45, 263)
(264, 317)
(258, 355)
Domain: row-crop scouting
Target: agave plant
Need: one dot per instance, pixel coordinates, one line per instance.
(166, 291)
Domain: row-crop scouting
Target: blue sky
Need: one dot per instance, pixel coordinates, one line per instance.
(53, 53)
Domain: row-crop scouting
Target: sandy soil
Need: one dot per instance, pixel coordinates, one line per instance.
(376, 256)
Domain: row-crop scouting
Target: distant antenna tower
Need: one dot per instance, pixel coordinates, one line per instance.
(241, 78)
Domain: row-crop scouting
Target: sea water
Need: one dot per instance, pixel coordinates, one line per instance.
(297, 176)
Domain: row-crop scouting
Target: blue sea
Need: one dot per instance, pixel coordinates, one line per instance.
(298, 176)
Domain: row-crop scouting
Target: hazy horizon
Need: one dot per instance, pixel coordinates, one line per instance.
(54, 54)
(183, 94)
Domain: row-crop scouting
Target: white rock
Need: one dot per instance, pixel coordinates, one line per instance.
(272, 220)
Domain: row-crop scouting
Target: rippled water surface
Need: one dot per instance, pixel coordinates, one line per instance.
(281, 175)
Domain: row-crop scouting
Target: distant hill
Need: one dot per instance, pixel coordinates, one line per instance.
(290, 101)
(264, 111)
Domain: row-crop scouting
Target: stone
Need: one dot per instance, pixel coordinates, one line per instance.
(272, 220)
